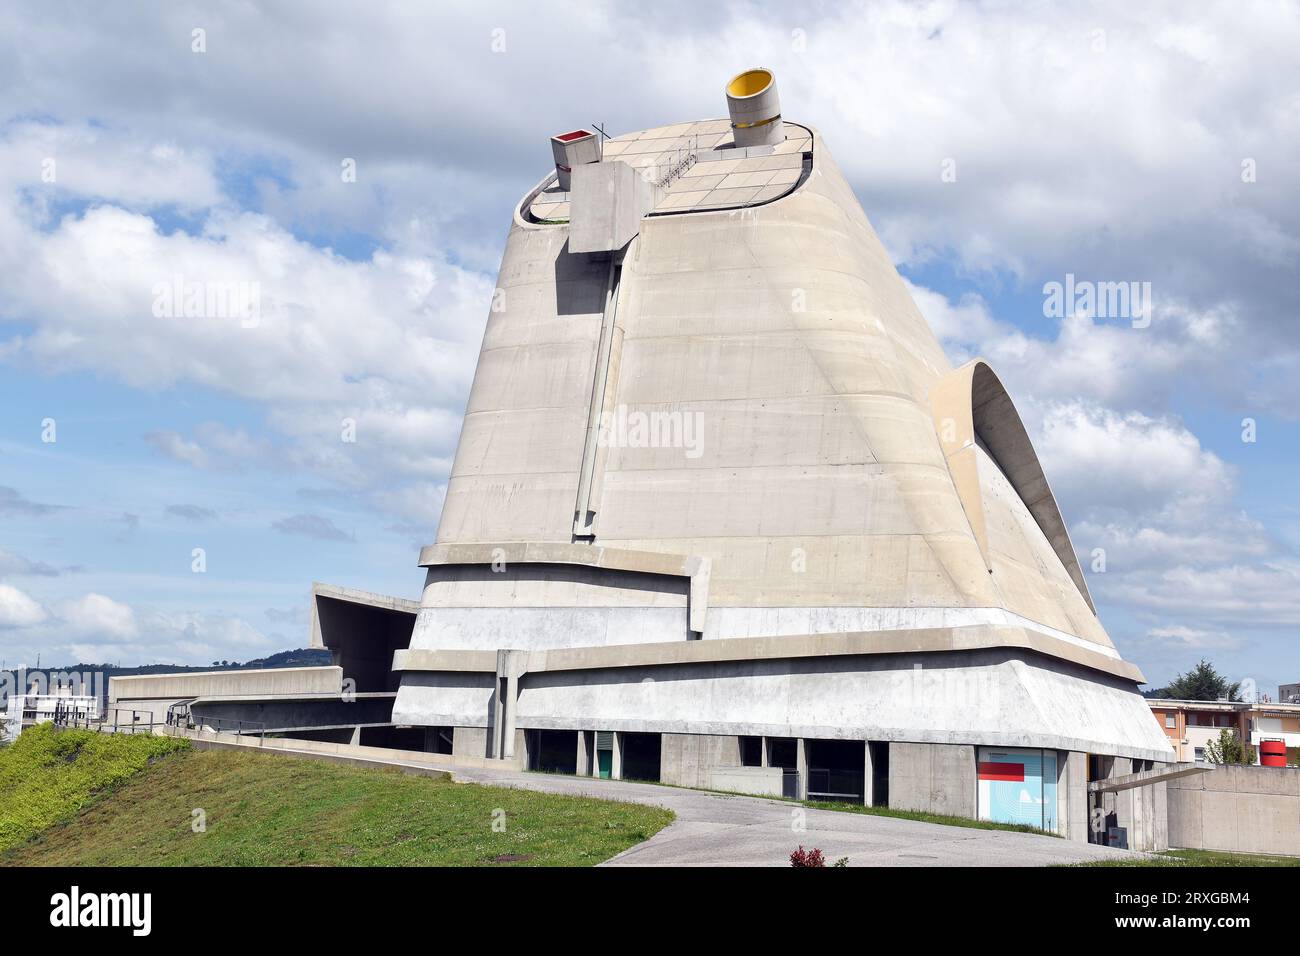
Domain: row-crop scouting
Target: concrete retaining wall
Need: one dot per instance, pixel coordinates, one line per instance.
(266, 682)
(932, 778)
(762, 781)
(345, 752)
(689, 760)
(1237, 809)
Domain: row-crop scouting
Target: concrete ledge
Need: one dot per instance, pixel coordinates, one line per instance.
(614, 559)
(773, 648)
(1142, 779)
(359, 754)
(257, 682)
(279, 698)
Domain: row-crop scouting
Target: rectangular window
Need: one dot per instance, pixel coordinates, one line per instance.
(1170, 722)
(1016, 785)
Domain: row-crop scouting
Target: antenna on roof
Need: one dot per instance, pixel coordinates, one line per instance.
(603, 136)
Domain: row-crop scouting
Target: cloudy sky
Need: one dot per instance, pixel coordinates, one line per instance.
(996, 148)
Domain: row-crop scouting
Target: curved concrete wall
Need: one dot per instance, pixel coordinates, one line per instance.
(786, 334)
(805, 473)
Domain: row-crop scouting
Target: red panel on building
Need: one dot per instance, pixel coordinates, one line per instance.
(1002, 771)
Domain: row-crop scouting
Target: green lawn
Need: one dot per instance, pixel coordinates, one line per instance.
(263, 810)
(1201, 858)
(927, 817)
(48, 775)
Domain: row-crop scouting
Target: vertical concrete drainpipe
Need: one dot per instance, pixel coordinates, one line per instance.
(755, 109)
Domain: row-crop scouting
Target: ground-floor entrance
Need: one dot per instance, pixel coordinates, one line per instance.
(836, 770)
(641, 753)
(553, 751)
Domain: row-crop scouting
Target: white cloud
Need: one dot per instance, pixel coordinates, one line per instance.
(53, 161)
(11, 563)
(1099, 458)
(1263, 594)
(96, 629)
(389, 343)
(312, 526)
(176, 446)
(1182, 638)
(17, 609)
(95, 614)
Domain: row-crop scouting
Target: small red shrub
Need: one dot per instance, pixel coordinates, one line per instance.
(802, 857)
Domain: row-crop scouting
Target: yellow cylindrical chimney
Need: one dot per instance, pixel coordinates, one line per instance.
(755, 109)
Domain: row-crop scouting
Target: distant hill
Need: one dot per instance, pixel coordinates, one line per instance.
(300, 657)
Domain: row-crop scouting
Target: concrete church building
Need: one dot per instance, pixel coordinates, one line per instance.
(723, 515)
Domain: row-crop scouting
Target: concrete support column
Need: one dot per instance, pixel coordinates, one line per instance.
(496, 715)
(1072, 790)
(866, 773)
(801, 762)
(762, 750)
(356, 735)
(1160, 809)
(511, 665)
(582, 762)
(508, 721)
(616, 758)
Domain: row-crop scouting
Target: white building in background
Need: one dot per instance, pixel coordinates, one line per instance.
(25, 710)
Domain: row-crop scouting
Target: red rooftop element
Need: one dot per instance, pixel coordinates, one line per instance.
(576, 134)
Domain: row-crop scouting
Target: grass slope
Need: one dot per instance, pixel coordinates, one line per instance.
(1200, 858)
(267, 811)
(924, 817)
(48, 775)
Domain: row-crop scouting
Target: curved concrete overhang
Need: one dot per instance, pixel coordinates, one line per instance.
(971, 403)
(346, 595)
(783, 647)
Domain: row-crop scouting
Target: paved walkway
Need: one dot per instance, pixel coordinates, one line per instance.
(714, 829)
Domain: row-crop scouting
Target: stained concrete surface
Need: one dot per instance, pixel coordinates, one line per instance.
(714, 829)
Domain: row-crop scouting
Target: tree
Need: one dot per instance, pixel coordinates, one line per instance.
(1202, 682)
(1229, 749)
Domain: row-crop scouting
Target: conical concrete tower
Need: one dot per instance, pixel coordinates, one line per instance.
(717, 482)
